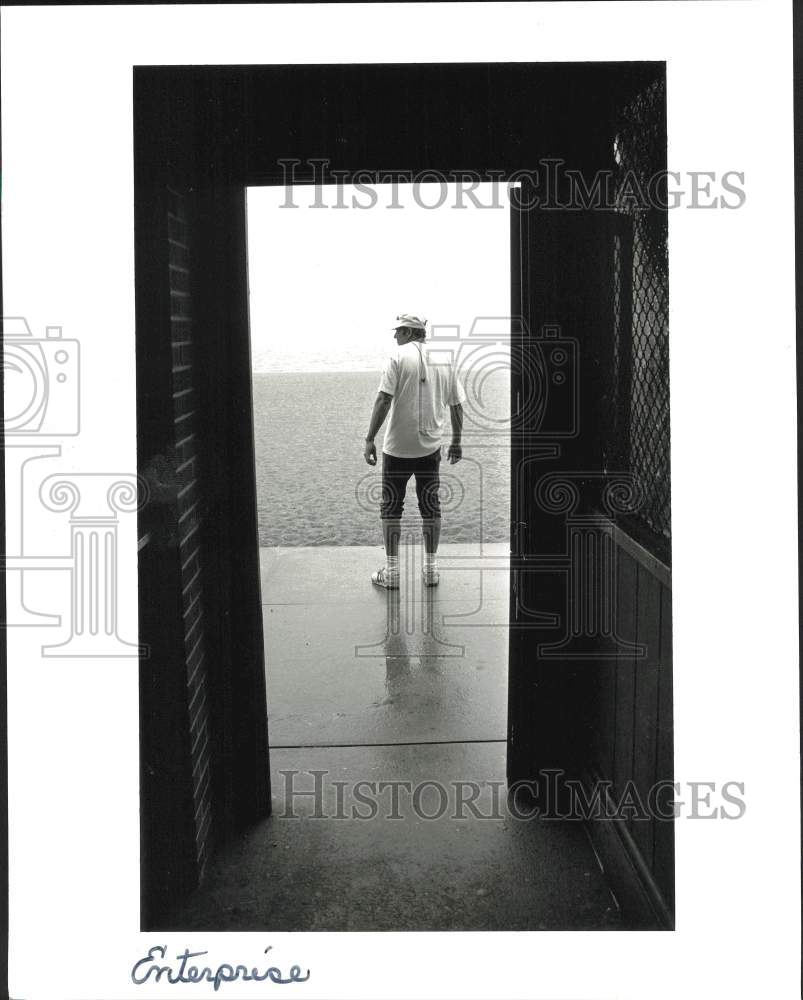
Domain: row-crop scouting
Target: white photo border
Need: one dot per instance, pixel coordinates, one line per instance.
(68, 261)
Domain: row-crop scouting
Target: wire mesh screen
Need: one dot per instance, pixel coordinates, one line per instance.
(641, 305)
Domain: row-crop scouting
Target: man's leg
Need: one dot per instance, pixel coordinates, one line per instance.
(432, 535)
(391, 532)
(427, 485)
(394, 484)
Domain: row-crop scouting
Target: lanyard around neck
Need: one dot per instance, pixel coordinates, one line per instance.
(422, 365)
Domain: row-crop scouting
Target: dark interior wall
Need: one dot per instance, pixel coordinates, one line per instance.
(205, 133)
(565, 288)
(203, 723)
(231, 537)
(188, 462)
(629, 711)
(594, 709)
(168, 835)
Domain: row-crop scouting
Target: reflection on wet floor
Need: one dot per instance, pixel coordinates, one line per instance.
(350, 664)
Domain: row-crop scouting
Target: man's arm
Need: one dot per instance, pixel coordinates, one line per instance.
(381, 407)
(455, 452)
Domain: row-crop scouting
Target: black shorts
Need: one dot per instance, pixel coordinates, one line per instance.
(396, 473)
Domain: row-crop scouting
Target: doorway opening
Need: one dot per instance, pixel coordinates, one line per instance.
(387, 710)
(327, 278)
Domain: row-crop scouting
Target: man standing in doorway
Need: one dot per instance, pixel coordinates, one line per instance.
(417, 392)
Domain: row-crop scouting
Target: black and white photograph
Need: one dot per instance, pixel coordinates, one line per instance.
(392, 400)
(398, 708)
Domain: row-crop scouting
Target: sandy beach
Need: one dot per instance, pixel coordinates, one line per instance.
(314, 487)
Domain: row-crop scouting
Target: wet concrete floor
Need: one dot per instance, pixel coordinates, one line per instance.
(387, 716)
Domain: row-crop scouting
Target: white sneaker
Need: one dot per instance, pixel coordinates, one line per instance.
(382, 578)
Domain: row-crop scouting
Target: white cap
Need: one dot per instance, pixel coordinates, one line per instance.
(410, 322)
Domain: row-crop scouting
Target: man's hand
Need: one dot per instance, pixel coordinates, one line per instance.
(369, 452)
(455, 452)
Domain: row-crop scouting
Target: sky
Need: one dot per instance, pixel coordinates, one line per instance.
(326, 284)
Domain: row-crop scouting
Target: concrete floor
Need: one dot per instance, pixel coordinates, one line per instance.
(350, 664)
(401, 688)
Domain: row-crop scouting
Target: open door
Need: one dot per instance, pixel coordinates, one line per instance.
(590, 685)
(562, 304)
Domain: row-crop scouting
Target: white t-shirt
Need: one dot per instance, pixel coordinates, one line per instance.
(423, 388)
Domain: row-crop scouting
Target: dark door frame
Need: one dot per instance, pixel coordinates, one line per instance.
(209, 133)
